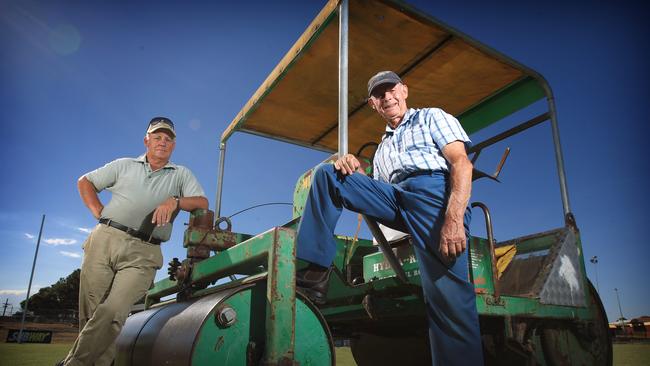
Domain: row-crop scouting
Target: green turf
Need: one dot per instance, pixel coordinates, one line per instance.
(631, 354)
(344, 357)
(11, 354)
(28, 354)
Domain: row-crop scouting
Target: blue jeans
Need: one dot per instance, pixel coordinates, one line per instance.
(416, 205)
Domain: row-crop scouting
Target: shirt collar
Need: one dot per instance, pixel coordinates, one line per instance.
(143, 159)
(407, 116)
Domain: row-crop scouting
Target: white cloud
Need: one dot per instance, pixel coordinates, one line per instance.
(35, 289)
(70, 254)
(60, 241)
(86, 230)
(13, 292)
(29, 236)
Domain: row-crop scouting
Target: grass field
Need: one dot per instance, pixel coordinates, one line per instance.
(11, 354)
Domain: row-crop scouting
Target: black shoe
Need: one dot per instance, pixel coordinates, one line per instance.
(313, 282)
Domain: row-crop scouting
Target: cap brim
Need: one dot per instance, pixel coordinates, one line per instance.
(158, 128)
(388, 81)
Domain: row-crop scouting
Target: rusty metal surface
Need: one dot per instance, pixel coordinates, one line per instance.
(202, 219)
(281, 295)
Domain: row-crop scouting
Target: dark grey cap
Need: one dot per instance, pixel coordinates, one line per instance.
(382, 77)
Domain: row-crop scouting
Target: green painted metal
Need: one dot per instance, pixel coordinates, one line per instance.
(300, 193)
(528, 307)
(244, 258)
(533, 243)
(303, 184)
(161, 289)
(248, 257)
(245, 338)
(218, 344)
(302, 188)
(281, 298)
(481, 274)
(376, 267)
(380, 277)
(511, 99)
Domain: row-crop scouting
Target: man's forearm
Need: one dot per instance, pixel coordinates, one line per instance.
(461, 189)
(192, 203)
(89, 196)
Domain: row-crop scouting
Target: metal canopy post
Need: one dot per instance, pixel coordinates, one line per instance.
(564, 191)
(222, 159)
(343, 78)
(343, 135)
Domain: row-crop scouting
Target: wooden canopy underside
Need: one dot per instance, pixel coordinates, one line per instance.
(298, 102)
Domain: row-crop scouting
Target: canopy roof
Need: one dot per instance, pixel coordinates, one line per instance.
(298, 101)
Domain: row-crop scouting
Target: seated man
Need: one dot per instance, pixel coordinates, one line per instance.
(422, 186)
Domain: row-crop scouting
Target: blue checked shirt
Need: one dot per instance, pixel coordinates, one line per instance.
(416, 144)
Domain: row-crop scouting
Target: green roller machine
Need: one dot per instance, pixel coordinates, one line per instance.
(233, 300)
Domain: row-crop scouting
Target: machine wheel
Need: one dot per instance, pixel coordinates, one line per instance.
(370, 349)
(585, 343)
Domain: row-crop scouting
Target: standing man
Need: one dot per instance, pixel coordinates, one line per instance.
(422, 186)
(122, 253)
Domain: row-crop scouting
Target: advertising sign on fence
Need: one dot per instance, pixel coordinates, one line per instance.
(30, 336)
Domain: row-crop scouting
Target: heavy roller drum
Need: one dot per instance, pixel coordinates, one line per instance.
(224, 328)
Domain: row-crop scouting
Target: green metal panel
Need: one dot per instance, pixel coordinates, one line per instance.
(218, 344)
(511, 99)
(300, 193)
(248, 257)
(481, 266)
(304, 183)
(382, 278)
(242, 258)
(527, 307)
(376, 267)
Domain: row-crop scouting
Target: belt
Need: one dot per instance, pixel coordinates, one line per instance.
(134, 233)
(423, 172)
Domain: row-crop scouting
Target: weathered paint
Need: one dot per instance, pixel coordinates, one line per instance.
(281, 298)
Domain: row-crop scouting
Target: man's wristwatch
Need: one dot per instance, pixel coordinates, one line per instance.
(178, 201)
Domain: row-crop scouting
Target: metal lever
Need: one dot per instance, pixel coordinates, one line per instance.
(503, 161)
(477, 174)
(491, 243)
(386, 249)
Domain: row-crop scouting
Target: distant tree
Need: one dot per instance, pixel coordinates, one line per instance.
(63, 295)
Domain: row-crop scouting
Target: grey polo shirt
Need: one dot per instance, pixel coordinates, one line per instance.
(137, 191)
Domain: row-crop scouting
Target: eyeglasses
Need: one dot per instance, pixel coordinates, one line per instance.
(159, 120)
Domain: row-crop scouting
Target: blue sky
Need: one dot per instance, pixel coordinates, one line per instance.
(80, 80)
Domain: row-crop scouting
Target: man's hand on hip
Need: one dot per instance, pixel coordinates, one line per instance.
(163, 213)
(452, 238)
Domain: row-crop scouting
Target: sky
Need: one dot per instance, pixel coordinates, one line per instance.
(79, 81)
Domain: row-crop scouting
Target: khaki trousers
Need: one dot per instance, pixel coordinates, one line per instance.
(116, 272)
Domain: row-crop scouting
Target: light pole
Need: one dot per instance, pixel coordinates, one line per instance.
(4, 307)
(594, 260)
(620, 310)
(29, 287)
